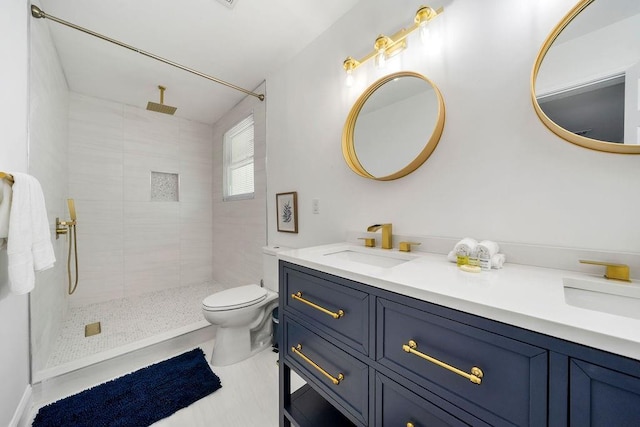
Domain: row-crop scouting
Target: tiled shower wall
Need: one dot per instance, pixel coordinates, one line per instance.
(127, 243)
(48, 135)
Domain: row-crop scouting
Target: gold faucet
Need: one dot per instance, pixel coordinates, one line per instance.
(387, 239)
(614, 271)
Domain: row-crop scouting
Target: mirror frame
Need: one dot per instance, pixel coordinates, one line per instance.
(583, 141)
(348, 144)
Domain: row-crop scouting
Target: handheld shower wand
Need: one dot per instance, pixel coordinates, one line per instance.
(64, 227)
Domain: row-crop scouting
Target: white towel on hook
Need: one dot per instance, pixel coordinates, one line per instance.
(29, 246)
(5, 207)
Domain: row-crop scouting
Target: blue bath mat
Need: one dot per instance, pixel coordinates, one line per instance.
(137, 399)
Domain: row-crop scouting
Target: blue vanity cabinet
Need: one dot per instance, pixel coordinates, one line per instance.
(409, 362)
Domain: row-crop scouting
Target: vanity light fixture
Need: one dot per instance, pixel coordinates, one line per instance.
(386, 47)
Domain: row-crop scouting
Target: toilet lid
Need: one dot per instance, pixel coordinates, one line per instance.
(242, 296)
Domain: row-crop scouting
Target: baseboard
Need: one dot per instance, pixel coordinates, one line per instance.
(22, 415)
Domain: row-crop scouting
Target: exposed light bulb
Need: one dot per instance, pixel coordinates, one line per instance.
(381, 59)
(349, 80)
(424, 32)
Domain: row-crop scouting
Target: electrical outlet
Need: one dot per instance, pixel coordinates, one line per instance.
(315, 206)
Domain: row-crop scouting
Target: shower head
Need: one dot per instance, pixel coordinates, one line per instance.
(72, 209)
(161, 107)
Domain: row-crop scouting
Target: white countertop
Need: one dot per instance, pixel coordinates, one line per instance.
(524, 296)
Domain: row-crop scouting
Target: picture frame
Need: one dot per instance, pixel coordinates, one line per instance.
(287, 212)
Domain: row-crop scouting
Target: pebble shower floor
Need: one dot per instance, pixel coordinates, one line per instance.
(128, 320)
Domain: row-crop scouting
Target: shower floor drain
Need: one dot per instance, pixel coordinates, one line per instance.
(92, 329)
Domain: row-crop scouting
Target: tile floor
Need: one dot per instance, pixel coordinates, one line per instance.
(125, 321)
(248, 397)
(249, 393)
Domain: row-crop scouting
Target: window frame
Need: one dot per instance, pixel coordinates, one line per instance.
(228, 167)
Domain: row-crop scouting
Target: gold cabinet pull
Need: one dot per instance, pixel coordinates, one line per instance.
(297, 350)
(298, 297)
(410, 424)
(476, 373)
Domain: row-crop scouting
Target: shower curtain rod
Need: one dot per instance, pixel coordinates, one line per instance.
(36, 12)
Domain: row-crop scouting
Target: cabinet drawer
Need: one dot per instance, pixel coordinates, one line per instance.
(397, 406)
(313, 355)
(317, 293)
(513, 386)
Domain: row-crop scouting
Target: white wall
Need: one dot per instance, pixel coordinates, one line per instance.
(127, 243)
(14, 332)
(497, 172)
(239, 226)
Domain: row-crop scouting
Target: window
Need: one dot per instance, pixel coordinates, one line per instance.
(238, 161)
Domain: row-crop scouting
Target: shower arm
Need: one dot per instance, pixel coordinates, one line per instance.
(36, 12)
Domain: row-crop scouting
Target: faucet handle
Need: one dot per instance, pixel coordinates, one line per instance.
(614, 271)
(406, 246)
(369, 242)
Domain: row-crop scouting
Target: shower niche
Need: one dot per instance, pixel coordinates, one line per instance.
(165, 187)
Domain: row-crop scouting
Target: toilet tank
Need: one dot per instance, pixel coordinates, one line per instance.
(270, 266)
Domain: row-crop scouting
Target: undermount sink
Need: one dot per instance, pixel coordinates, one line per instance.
(378, 259)
(620, 298)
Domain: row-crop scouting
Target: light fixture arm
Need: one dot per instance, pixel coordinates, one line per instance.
(36, 12)
(395, 42)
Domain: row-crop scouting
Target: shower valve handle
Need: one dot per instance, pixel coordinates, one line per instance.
(62, 227)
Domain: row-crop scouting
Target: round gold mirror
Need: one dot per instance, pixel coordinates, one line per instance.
(393, 127)
(584, 83)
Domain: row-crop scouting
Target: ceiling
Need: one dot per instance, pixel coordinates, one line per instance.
(240, 45)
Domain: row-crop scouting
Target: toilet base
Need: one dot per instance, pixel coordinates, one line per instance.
(233, 345)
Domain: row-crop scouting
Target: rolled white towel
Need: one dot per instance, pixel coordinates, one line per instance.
(497, 261)
(465, 247)
(487, 249)
(451, 256)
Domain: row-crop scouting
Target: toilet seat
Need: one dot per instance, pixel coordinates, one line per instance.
(234, 298)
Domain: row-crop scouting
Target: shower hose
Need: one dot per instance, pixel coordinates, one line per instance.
(72, 232)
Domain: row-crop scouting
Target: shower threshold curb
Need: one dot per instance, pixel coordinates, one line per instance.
(49, 373)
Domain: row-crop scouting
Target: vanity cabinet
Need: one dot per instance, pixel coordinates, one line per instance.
(371, 357)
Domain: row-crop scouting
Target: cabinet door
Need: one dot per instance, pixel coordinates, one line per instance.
(604, 397)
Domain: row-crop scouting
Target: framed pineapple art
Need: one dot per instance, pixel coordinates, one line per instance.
(287, 206)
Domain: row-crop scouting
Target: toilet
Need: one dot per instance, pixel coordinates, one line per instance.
(243, 314)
